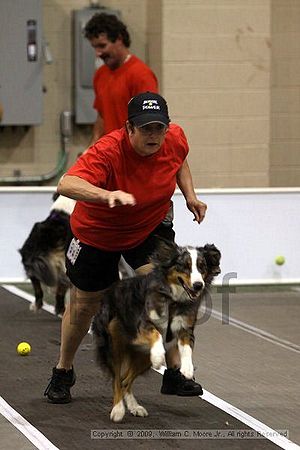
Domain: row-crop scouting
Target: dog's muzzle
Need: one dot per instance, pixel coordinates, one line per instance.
(195, 291)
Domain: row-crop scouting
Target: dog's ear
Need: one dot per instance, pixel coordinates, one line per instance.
(164, 253)
(212, 256)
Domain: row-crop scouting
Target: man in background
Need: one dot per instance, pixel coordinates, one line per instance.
(121, 77)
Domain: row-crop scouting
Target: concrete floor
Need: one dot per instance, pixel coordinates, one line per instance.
(256, 375)
(259, 373)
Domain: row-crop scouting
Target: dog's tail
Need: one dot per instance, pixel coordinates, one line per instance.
(44, 270)
(103, 338)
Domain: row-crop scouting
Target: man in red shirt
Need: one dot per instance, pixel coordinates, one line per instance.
(121, 77)
(123, 185)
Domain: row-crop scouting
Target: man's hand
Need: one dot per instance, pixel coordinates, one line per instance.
(118, 198)
(197, 208)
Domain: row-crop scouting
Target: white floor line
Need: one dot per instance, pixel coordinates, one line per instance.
(256, 331)
(30, 298)
(250, 421)
(260, 427)
(31, 433)
(34, 435)
(242, 416)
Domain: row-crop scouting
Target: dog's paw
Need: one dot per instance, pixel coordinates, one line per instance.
(139, 411)
(60, 312)
(157, 357)
(157, 354)
(133, 406)
(33, 307)
(118, 412)
(158, 361)
(187, 369)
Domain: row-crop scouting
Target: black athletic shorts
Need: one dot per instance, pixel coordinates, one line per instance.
(91, 269)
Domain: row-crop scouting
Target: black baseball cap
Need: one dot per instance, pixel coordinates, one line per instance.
(148, 107)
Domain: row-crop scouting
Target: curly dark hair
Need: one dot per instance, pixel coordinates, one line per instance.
(109, 24)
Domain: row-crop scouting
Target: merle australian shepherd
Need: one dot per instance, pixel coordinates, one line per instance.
(138, 315)
(43, 255)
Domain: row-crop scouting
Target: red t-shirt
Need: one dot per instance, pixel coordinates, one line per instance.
(112, 164)
(114, 88)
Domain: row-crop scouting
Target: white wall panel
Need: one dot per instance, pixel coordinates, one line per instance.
(250, 227)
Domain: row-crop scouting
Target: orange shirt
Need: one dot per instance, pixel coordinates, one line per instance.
(112, 164)
(114, 88)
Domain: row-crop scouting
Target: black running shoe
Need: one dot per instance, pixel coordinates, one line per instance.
(174, 383)
(58, 389)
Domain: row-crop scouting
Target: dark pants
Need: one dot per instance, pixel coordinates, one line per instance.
(91, 269)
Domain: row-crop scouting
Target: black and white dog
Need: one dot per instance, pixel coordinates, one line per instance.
(138, 315)
(43, 253)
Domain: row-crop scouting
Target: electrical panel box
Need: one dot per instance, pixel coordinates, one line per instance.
(21, 63)
(85, 64)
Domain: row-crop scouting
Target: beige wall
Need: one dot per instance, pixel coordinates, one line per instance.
(229, 69)
(285, 118)
(216, 76)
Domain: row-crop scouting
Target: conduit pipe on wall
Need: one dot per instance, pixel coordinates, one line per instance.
(66, 133)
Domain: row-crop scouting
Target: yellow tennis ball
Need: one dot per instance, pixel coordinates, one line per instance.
(23, 348)
(280, 260)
